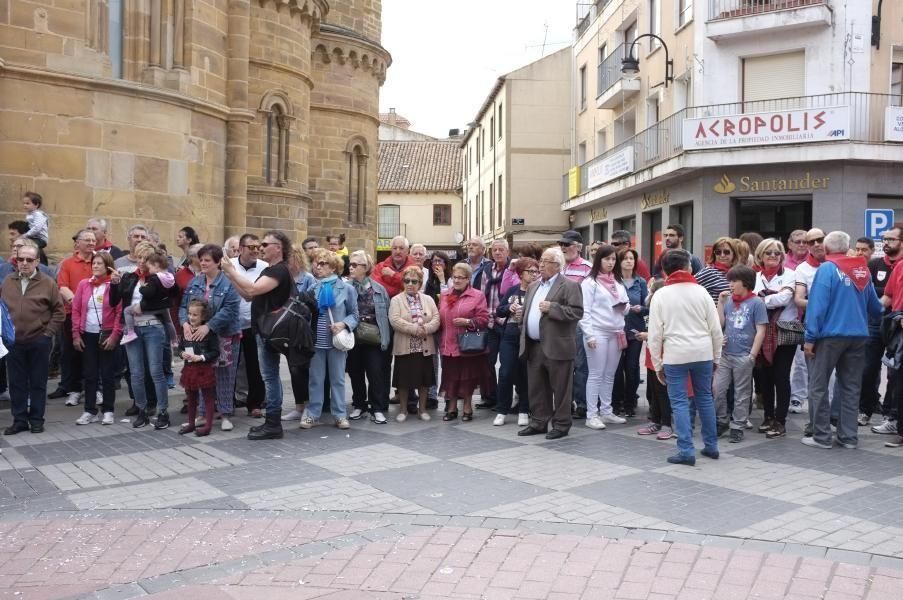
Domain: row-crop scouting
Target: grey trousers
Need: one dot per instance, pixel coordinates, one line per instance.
(737, 369)
(846, 355)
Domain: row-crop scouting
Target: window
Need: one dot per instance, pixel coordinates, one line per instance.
(492, 217)
(356, 194)
(684, 12)
(601, 141)
(499, 209)
(480, 205)
(491, 129)
(478, 149)
(896, 80)
(581, 153)
(583, 87)
(276, 138)
(655, 23)
(603, 53)
(501, 118)
(115, 36)
(389, 221)
(630, 34)
(442, 214)
(773, 76)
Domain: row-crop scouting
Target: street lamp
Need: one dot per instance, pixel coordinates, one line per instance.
(630, 66)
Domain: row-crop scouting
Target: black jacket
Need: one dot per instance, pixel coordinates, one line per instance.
(208, 347)
(154, 296)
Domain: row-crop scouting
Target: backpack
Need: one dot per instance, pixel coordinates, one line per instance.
(287, 330)
(8, 328)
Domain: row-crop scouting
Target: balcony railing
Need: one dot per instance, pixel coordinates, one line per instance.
(609, 70)
(730, 9)
(587, 12)
(664, 140)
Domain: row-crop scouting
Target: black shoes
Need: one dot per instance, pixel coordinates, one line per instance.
(162, 421)
(131, 411)
(141, 420)
(37, 428)
(529, 430)
(16, 428)
(57, 393)
(713, 454)
(556, 434)
(580, 412)
(736, 436)
(271, 429)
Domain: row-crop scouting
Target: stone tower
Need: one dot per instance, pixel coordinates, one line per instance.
(228, 115)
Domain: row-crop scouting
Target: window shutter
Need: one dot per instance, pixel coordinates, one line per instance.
(775, 76)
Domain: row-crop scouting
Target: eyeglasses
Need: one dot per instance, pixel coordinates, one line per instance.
(532, 271)
(889, 239)
(411, 281)
(799, 241)
(772, 253)
(268, 244)
(815, 241)
(460, 278)
(564, 244)
(723, 252)
(355, 265)
(26, 259)
(618, 244)
(251, 246)
(323, 263)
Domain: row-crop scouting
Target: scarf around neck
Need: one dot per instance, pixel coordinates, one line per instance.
(721, 267)
(738, 299)
(607, 280)
(812, 261)
(769, 272)
(326, 297)
(853, 267)
(452, 297)
(680, 277)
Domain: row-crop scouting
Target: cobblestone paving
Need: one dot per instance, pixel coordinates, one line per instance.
(440, 510)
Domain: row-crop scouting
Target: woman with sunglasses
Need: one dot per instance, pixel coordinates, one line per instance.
(724, 256)
(774, 284)
(513, 370)
(368, 359)
(415, 319)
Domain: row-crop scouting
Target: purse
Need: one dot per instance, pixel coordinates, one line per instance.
(343, 340)
(473, 342)
(790, 333)
(367, 334)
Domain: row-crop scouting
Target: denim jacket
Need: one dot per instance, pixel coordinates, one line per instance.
(345, 309)
(637, 294)
(223, 304)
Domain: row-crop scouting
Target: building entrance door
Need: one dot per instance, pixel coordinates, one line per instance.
(772, 217)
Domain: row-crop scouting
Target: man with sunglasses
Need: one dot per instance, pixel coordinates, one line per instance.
(888, 278)
(36, 308)
(805, 273)
(620, 240)
(249, 382)
(576, 269)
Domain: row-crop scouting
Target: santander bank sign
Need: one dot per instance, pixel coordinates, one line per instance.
(768, 128)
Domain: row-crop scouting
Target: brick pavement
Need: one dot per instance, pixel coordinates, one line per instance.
(430, 510)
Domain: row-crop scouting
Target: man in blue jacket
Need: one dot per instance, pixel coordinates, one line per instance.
(841, 300)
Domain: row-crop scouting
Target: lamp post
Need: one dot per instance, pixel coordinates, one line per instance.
(630, 66)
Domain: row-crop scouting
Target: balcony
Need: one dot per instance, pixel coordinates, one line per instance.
(612, 88)
(730, 19)
(665, 140)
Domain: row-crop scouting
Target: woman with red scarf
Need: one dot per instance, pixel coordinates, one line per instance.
(774, 284)
(462, 309)
(725, 254)
(96, 329)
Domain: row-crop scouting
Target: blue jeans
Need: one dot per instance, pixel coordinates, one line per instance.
(512, 374)
(28, 363)
(327, 362)
(269, 371)
(581, 372)
(148, 349)
(701, 375)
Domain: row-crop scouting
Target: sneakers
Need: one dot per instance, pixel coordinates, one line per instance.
(797, 407)
(808, 441)
(897, 442)
(141, 420)
(863, 419)
(295, 415)
(596, 422)
(807, 430)
(356, 414)
(379, 418)
(226, 425)
(425, 416)
(108, 419)
(748, 424)
(499, 420)
(721, 428)
(73, 398)
(342, 423)
(401, 417)
(736, 436)
(846, 445)
(162, 420)
(777, 430)
(680, 459)
(766, 425)
(86, 419)
(523, 419)
(666, 433)
(129, 337)
(614, 419)
(649, 429)
(307, 422)
(887, 427)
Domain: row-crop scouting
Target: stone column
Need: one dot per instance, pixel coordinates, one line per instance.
(238, 45)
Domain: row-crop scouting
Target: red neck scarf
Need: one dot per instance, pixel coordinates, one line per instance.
(141, 274)
(96, 281)
(853, 267)
(814, 261)
(738, 299)
(453, 296)
(607, 280)
(721, 267)
(769, 272)
(680, 277)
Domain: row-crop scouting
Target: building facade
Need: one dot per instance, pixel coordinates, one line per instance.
(232, 116)
(513, 152)
(744, 116)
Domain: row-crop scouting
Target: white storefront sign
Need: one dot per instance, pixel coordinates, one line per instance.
(619, 163)
(893, 124)
(768, 128)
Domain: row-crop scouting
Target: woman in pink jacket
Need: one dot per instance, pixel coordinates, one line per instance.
(462, 309)
(96, 329)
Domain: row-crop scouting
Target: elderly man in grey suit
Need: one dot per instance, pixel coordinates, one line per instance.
(551, 310)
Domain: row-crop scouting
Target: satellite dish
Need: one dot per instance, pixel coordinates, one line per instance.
(459, 237)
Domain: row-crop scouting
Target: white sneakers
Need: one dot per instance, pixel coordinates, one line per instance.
(342, 423)
(887, 427)
(108, 419)
(499, 420)
(295, 415)
(87, 418)
(401, 417)
(596, 422)
(379, 418)
(424, 416)
(73, 398)
(226, 424)
(798, 407)
(307, 422)
(523, 419)
(612, 418)
(356, 414)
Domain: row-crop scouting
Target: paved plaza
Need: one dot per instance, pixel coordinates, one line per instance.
(424, 510)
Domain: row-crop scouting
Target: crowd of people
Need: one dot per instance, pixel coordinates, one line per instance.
(541, 333)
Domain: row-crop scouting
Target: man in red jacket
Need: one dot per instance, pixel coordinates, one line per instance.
(388, 272)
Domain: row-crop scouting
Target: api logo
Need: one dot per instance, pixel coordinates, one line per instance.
(837, 133)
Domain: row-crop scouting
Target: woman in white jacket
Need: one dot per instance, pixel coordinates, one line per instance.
(605, 303)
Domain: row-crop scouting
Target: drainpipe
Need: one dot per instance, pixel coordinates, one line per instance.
(876, 27)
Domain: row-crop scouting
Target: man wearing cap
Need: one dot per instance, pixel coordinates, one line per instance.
(576, 269)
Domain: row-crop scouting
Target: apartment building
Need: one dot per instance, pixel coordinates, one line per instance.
(744, 115)
(514, 151)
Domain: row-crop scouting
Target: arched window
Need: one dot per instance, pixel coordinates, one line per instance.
(357, 182)
(275, 139)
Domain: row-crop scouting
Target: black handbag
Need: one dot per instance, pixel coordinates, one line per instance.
(473, 342)
(790, 333)
(367, 333)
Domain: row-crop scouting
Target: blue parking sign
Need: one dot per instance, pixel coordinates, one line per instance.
(877, 221)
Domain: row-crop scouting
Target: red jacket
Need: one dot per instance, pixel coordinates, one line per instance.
(471, 305)
(392, 283)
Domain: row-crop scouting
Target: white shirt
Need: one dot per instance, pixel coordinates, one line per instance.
(244, 309)
(124, 264)
(783, 284)
(534, 315)
(94, 315)
(599, 315)
(805, 273)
